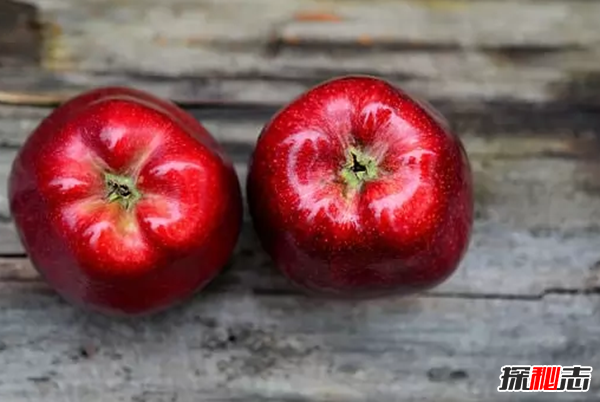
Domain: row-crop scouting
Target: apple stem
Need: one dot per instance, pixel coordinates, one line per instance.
(359, 168)
(121, 189)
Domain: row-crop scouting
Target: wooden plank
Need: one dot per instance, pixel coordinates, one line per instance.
(277, 81)
(525, 101)
(526, 194)
(6, 159)
(184, 29)
(536, 182)
(239, 346)
(536, 186)
(411, 24)
(269, 87)
(460, 51)
(517, 178)
(552, 128)
(540, 261)
(20, 34)
(9, 241)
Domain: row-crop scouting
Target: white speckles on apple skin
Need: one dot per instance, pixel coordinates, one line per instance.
(406, 229)
(103, 255)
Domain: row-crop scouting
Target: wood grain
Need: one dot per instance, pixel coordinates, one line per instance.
(537, 199)
(240, 346)
(519, 80)
(20, 34)
(185, 31)
(534, 51)
(457, 76)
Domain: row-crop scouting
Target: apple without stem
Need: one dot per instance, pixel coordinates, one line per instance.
(357, 189)
(124, 203)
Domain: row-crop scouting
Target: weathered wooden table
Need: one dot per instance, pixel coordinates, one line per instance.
(520, 82)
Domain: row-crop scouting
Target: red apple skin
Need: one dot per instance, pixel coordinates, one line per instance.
(141, 252)
(403, 226)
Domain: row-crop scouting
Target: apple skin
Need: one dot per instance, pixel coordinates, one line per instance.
(357, 189)
(137, 242)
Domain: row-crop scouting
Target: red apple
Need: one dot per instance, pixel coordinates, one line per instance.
(357, 189)
(124, 202)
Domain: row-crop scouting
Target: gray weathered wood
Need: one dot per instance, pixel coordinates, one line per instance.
(451, 49)
(413, 24)
(142, 36)
(461, 78)
(495, 127)
(526, 194)
(42, 87)
(20, 34)
(502, 262)
(536, 196)
(240, 346)
(519, 80)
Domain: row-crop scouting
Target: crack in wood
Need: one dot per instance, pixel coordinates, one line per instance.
(455, 295)
(215, 289)
(526, 51)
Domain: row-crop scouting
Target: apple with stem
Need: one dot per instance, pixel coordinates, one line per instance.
(357, 189)
(124, 202)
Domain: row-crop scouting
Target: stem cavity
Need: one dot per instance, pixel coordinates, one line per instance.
(359, 168)
(121, 189)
